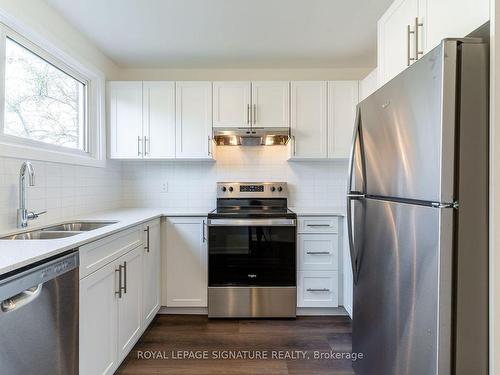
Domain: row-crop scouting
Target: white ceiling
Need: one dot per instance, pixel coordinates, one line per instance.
(230, 33)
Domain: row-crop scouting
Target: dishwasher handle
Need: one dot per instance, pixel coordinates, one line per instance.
(21, 299)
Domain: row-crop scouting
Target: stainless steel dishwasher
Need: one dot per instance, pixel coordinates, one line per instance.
(39, 318)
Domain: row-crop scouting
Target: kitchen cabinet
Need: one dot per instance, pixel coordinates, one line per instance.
(130, 304)
(125, 120)
(193, 120)
(151, 270)
(308, 120)
(141, 120)
(342, 100)
(231, 104)
(186, 262)
(244, 104)
(410, 28)
(98, 317)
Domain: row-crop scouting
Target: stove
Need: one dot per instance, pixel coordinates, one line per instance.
(252, 251)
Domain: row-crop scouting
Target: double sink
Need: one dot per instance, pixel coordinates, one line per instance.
(59, 231)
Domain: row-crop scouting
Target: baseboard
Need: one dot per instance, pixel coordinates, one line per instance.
(321, 311)
(183, 310)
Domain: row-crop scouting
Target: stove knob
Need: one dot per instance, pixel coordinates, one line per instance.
(224, 188)
(280, 188)
(230, 188)
(273, 188)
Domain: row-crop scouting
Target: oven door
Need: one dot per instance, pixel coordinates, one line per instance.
(252, 252)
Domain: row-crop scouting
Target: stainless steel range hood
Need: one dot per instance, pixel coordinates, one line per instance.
(251, 136)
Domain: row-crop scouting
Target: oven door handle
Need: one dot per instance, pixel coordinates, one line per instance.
(252, 222)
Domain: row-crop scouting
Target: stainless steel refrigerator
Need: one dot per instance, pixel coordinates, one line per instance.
(418, 217)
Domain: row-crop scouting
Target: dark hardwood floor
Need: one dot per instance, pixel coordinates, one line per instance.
(169, 344)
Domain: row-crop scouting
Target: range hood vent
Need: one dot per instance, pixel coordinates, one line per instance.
(251, 136)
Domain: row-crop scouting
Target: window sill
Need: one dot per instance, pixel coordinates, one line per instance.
(11, 150)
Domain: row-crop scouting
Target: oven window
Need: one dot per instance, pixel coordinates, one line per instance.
(252, 256)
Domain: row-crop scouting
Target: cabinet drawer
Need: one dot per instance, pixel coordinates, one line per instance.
(99, 253)
(318, 252)
(318, 224)
(317, 289)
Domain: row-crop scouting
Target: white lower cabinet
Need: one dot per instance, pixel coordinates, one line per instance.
(119, 299)
(186, 262)
(318, 250)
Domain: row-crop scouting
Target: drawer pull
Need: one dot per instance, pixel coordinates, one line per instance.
(318, 252)
(318, 290)
(318, 225)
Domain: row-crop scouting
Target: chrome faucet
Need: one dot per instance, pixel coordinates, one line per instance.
(23, 215)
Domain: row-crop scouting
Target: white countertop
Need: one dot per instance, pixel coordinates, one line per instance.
(319, 211)
(15, 254)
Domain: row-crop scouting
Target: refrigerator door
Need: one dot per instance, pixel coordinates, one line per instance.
(408, 130)
(402, 296)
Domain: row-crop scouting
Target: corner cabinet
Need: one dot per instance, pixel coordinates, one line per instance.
(411, 28)
(186, 262)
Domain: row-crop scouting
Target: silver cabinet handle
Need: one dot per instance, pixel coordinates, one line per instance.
(255, 114)
(209, 151)
(125, 277)
(294, 145)
(248, 114)
(408, 47)
(318, 225)
(138, 145)
(318, 290)
(146, 152)
(119, 270)
(318, 252)
(20, 299)
(147, 238)
(417, 25)
(203, 232)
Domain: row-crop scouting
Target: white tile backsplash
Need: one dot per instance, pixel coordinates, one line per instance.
(311, 184)
(62, 189)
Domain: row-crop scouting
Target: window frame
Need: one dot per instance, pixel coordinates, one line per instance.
(94, 81)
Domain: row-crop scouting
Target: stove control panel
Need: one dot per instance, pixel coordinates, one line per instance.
(251, 189)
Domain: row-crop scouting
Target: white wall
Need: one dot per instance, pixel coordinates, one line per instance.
(63, 189)
(192, 184)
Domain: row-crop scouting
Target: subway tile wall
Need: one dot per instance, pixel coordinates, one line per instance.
(64, 190)
(178, 184)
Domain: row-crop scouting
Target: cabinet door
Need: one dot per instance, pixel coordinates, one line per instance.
(450, 19)
(125, 120)
(393, 48)
(271, 104)
(231, 104)
(193, 120)
(130, 305)
(159, 120)
(308, 120)
(186, 262)
(342, 101)
(98, 327)
(151, 271)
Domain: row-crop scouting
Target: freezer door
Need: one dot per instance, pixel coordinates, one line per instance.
(408, 130)
(402, 296)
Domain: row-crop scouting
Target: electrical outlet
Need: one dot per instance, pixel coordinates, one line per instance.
(164, 187)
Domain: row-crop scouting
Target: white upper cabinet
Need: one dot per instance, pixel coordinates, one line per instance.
(450, 18)
(271, 104)
(125, 120)
(193, 120)
(231, 106)
(411, 28)
(159, 120)
(186, 262)
(308, 120)
(342, 101)
(396, 39)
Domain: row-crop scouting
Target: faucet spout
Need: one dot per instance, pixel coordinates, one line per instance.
(22, 213)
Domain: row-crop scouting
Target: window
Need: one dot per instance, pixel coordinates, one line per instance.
(51, 105)
(42, 102)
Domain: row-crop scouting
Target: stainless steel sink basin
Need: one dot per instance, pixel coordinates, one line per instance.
(79, 226)
(59, 231)
(40, 235)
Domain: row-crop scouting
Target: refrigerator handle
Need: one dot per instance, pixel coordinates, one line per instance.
(353, 196)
